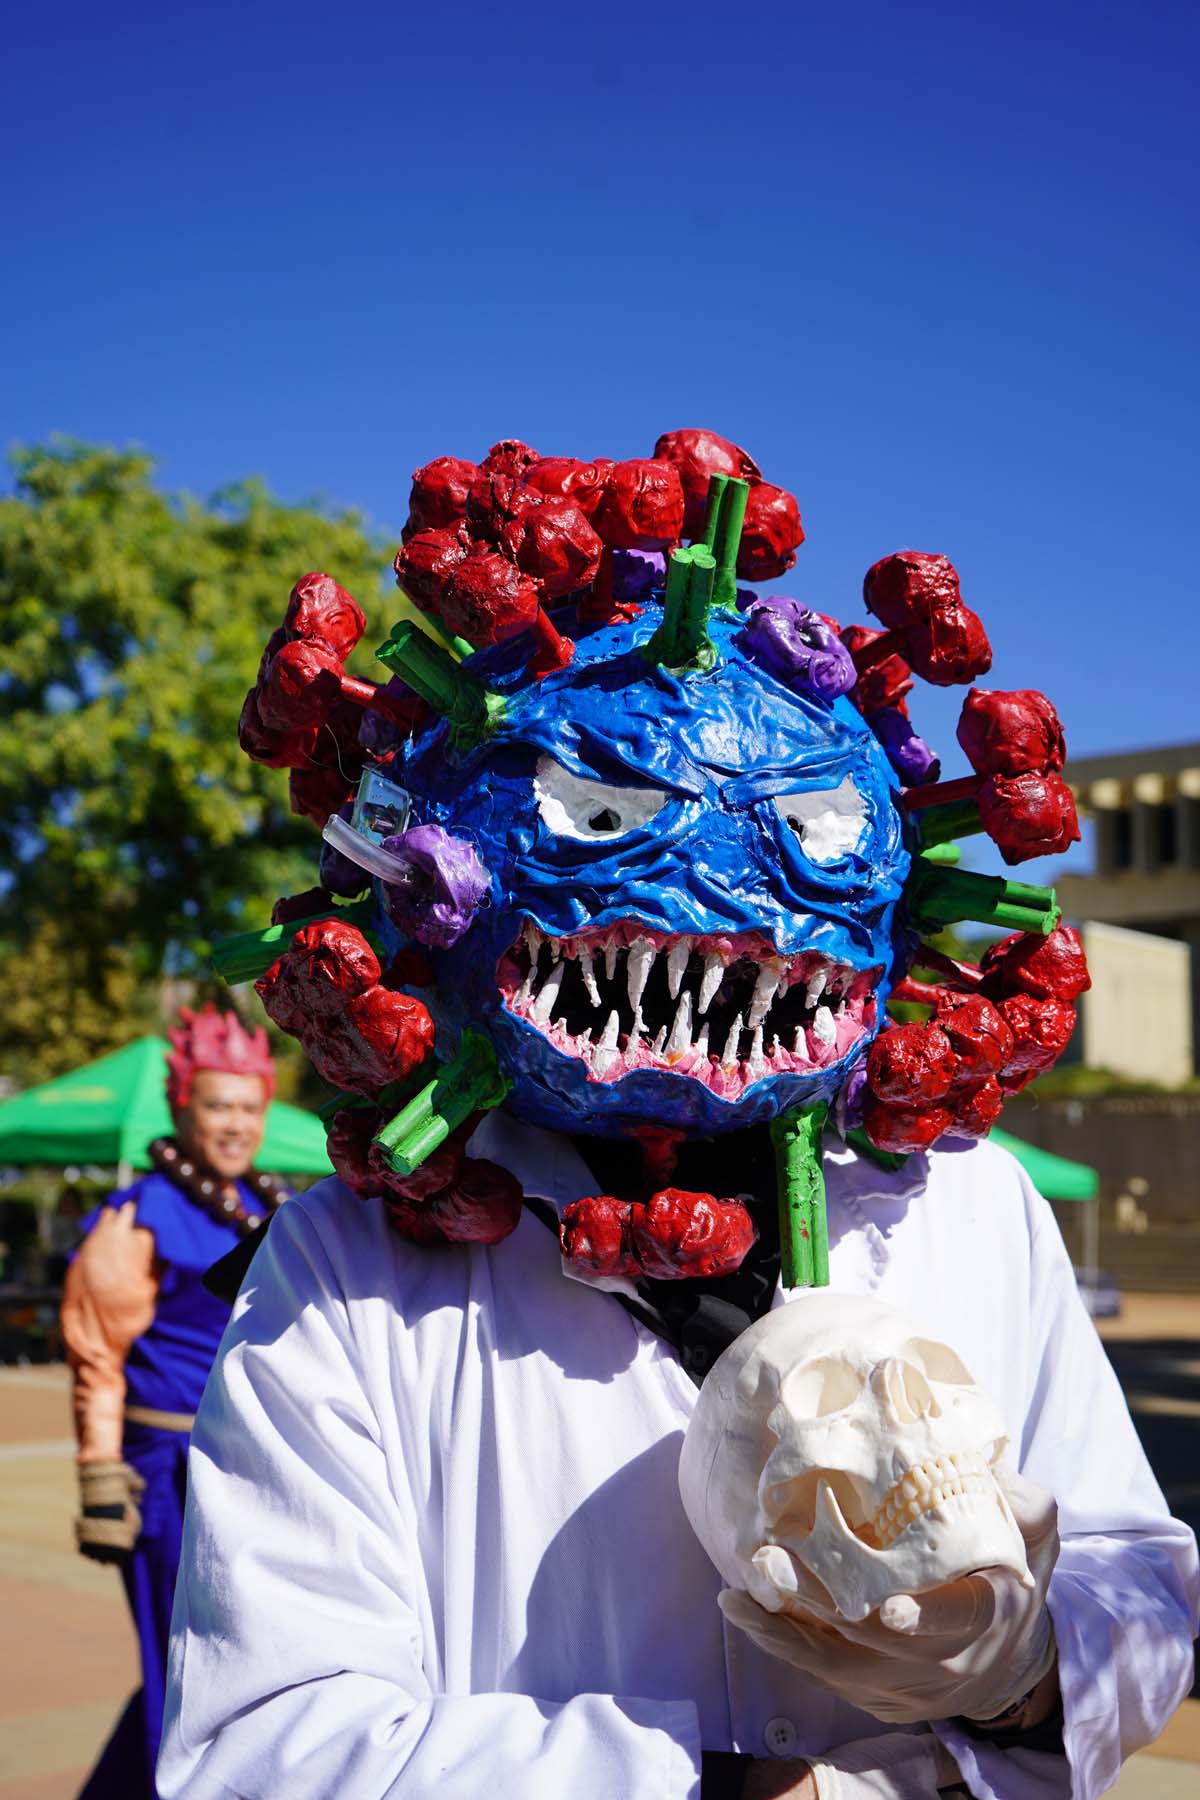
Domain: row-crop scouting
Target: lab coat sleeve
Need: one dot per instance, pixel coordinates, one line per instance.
(296, 1662)
(1124, 1593)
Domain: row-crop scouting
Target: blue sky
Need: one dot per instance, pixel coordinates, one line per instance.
(934, 265)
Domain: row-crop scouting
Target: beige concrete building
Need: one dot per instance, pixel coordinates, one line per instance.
(1146, 808)
(1136, 1019)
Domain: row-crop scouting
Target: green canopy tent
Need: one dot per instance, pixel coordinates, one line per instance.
(1060, 1179)
(1054, 1176)
(109, 1110)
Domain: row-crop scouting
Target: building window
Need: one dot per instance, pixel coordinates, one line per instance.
(1168, 833)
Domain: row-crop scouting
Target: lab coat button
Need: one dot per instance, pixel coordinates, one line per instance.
(779, 1735)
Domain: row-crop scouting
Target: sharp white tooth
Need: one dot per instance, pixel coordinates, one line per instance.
(660, 1039)
(710, 981)
(757, 1063)
(589, 975)
(606, 1052)
(533, 940)
(764, 992)
(680, 1039)
(639, 960)
(635, 1036)
(823, 1027)
(556, 945)
(544, 1005)
(610, 958)
(773, 1052)
(816, 985)
(702, 1040)
(730, 1054)
(800, 1043)
(677, 962)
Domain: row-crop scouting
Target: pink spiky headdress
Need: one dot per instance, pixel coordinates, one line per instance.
(213, 1040)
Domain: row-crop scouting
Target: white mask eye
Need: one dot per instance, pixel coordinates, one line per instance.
(592, 810)
(830, 822)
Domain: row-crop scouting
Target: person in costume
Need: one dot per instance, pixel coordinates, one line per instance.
(141, 1333)
(633, 862)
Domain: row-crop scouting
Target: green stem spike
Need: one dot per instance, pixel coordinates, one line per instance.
(941, 896)
(461, 646)
(712, 518)
(251, 953)
(946, 854)
(470, 1082)
(473, 709)
(942, 824)
(800, 1180)
(389, 1098)
(728, 537)
(682, 640)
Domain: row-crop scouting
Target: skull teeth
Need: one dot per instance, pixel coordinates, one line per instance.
(718, 1010)
(928, 1485)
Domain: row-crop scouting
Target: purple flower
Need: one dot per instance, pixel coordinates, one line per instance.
(910, 756)
(797, 646)
(635, 572)
(436, 897)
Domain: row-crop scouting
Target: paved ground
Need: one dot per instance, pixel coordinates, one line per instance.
(66, 1648)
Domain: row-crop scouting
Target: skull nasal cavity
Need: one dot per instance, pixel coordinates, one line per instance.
(905, 1389)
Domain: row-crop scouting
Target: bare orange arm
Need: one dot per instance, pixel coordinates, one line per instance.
(109, 1299)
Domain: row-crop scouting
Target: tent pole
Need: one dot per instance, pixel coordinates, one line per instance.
(1091, 1242)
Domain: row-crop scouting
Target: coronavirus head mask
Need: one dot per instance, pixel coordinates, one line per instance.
(691, 889)
(635, 849)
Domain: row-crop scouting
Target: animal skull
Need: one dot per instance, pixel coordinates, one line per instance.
(838, 1456)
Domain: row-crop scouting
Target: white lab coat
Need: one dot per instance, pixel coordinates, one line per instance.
(434, 1543)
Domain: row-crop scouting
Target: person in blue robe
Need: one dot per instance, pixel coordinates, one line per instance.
(141, 1332)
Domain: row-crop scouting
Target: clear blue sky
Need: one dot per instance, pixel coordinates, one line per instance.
(935, 265)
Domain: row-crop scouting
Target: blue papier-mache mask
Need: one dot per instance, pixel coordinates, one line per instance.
(692, 881)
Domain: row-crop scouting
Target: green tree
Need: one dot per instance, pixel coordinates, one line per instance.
(132, 828)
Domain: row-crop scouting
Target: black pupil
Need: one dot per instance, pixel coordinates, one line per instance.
(604, 819)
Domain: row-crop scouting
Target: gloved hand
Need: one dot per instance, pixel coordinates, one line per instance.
(109, 1522)
(974, 1647)
(899, 1765)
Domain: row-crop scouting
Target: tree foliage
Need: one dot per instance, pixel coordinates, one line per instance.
(132, 828)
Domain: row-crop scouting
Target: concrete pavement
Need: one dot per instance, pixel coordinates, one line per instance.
(67, 1649)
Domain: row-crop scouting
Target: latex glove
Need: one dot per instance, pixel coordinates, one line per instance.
(109, 1523)
(974, 1647)
(899, 1765)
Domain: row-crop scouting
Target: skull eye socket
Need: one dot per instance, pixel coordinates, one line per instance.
(821, 1388)
(938, 1362)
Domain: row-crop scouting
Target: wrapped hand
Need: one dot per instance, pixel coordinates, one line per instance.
(109, 1522)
